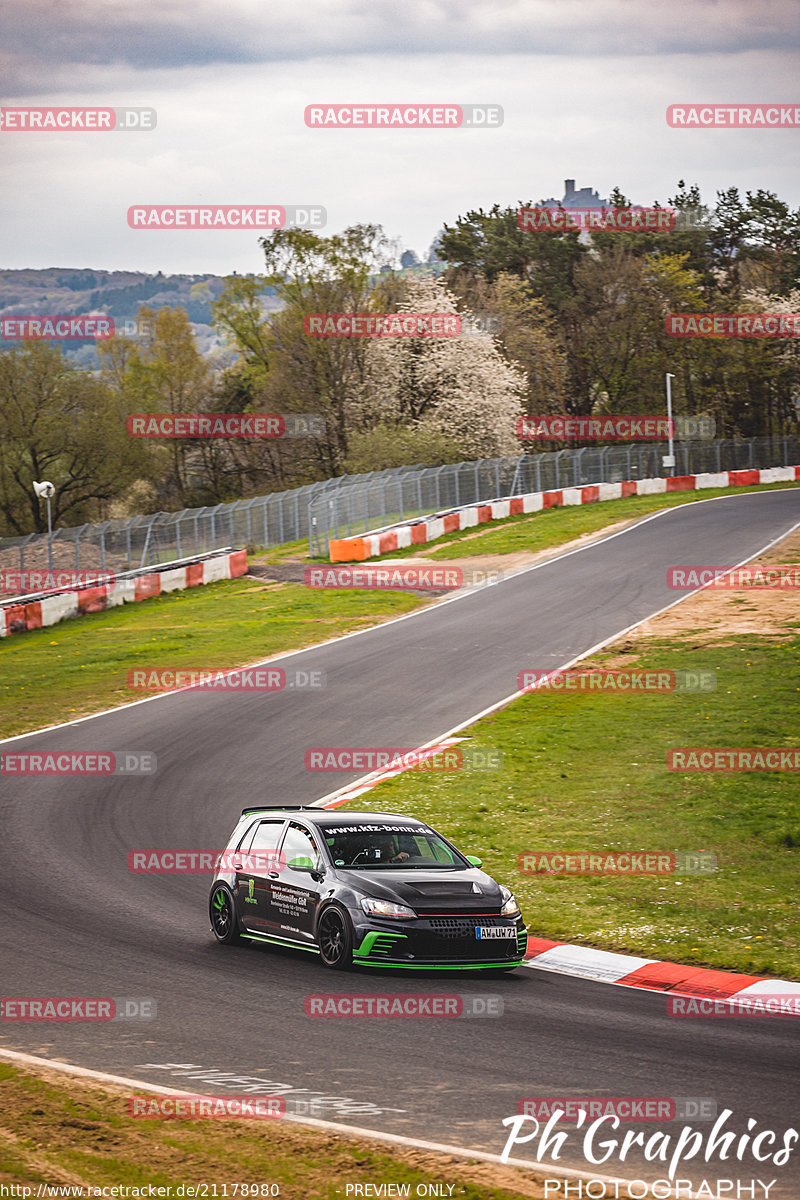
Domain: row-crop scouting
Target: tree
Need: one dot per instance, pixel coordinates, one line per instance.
(164, 372)
(459, 387)
(59, 423)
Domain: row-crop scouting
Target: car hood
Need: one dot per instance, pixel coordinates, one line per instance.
(428, 891)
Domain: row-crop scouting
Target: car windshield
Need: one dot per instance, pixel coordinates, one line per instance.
(371, 846)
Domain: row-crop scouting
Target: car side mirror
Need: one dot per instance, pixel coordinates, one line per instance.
(302, 863)
(476, 862)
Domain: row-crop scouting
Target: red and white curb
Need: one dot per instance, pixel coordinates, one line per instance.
(368, 782)
(605, 966)
(427, 529)
(19, 614)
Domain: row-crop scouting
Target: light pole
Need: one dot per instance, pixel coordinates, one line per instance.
(46, 489)
(669, 459)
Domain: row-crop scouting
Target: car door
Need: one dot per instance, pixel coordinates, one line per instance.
(294, 894)
(256, 860)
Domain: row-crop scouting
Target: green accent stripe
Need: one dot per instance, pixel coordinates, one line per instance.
(391, 964)
(378, 942)
(263, 937)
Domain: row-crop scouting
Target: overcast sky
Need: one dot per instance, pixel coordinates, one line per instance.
(584, 85)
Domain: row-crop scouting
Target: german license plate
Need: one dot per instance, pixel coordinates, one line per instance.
(495, 931)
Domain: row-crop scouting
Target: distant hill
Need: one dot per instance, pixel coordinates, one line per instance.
(70, 291)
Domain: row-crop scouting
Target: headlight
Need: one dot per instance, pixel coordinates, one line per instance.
(510, 907)
(386, 908)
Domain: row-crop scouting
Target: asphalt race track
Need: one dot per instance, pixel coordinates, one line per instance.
(77, 922)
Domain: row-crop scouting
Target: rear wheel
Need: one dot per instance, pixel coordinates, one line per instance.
(335, 939)
(222, 911)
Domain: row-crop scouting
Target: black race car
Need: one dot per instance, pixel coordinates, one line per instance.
(374, 889)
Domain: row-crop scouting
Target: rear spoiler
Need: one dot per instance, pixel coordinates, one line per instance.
(276, 808)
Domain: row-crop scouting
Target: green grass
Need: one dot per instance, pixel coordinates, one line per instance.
(555, 526)
(80, 1134)
(587, 772)
(80, 666)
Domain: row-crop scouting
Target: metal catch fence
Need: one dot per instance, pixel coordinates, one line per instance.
(352, 504)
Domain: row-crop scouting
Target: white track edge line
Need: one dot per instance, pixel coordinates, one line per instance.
(407, 616)
(321, 803)
(356, 1131)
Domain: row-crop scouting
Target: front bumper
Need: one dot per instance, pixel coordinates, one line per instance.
(446, 942)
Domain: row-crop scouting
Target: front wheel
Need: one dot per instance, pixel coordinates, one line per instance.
(222, 910)
(335, 939)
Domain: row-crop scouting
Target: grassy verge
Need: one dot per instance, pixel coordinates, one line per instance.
(587, 772)
(73, 1133)
(555, 526)
(80, 666)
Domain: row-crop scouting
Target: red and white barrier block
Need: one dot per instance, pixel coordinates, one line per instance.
(21, 613)
(427, 529)
(604, 966)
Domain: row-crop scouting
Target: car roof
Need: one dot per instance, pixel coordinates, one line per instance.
(322, 816)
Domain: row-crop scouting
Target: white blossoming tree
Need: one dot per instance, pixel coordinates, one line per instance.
(457, 387)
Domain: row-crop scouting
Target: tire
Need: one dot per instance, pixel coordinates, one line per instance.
(335, 938)
(222, 911)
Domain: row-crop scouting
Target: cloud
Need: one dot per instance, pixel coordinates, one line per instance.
(56, 41)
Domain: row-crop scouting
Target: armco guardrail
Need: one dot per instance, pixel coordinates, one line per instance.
(412, 533)
(18, 614)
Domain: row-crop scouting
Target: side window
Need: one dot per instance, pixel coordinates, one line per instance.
(247, 836)
(298, 844)
(440, 851)
(267, 835)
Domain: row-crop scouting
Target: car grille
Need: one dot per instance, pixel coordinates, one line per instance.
(454, 938)
(456, 927)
